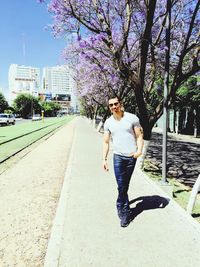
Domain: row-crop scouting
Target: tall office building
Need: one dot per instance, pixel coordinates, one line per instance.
(23, 79)
(58, 85)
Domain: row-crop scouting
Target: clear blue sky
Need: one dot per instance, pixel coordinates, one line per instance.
(24, 21)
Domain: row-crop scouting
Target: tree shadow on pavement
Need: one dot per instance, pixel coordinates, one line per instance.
(147, 203)
(182, 158)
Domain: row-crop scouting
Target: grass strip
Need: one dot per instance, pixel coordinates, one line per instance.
(11, 148)
(15, 131)
(181, 193)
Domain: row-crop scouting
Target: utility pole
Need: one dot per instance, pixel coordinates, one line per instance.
(166, 90)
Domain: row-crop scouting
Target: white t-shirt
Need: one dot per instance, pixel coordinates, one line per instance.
(123, 136)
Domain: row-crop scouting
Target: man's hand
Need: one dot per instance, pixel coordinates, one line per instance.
(136, 154)
(105, 165)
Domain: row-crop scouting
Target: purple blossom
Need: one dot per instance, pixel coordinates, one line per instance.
(106, 61)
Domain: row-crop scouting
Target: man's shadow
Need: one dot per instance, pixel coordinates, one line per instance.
(147, 203)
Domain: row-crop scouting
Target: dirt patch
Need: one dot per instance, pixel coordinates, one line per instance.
(29, 193)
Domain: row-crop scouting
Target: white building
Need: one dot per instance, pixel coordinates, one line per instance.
(58, 84)
(23, 79)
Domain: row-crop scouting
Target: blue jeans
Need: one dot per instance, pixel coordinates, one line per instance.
(123, 168)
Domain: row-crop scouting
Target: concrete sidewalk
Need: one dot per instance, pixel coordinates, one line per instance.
(87, 231)
(180, 137)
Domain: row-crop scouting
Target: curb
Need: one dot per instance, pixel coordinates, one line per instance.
(54, 244)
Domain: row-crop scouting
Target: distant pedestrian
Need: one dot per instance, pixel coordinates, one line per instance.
(127, 138)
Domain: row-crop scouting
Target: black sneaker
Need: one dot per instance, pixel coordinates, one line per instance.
(119, 214)
(124, 221)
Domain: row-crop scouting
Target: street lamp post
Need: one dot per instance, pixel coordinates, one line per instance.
(166, 89)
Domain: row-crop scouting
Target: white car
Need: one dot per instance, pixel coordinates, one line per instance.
(36, 117)
(6, 119)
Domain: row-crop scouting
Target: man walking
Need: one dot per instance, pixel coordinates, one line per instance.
(127, 141)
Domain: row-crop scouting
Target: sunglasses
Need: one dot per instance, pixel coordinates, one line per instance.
(113, 104)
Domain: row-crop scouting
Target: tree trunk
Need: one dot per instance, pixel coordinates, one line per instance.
(174, 121)
(198, 120)
(182, 115)
(94, 116)
(190, 122)
(102, 121)
(195, 123)
(143, 115)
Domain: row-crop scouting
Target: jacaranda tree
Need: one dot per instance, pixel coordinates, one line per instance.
(131, 37)
(96, 76)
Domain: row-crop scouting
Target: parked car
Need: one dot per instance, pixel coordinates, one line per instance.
(6, 119)
(36, 117)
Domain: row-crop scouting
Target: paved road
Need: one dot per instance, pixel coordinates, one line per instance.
(86, 229)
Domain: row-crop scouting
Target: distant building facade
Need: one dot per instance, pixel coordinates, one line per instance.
(58, 85)
(23, 79)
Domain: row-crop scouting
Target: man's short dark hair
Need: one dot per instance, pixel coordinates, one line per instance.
(114, 96)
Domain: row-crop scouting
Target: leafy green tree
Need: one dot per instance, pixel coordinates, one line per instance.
(3, 103)
(26, 105)
(188, 94)
(50, 108)
(188, 97)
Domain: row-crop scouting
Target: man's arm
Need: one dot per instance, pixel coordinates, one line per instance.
(106, 143)
(140, 142)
